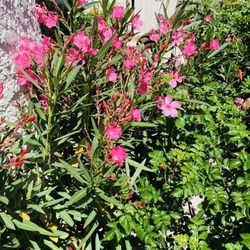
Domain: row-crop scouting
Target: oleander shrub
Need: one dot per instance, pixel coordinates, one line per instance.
(121, 139)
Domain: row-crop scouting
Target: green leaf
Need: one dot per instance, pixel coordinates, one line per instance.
(77, 196)
(72, 75)
(218, 51)
(7, 219)
(144, 124)
(51, 245)
(110, 200)
(137, 173)
(90, 218)
(4, 200)
(66, 217)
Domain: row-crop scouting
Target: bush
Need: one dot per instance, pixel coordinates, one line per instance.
(118, 142)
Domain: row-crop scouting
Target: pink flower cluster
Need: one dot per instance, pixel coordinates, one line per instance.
(84, 43)
(29, 51)
(137, 23)
(118, 155)
(105, 32)
(118, 12)
(1, 90)
(113, 131)
(165, 25)
(176, 78)
(48, 18)
(167, 106)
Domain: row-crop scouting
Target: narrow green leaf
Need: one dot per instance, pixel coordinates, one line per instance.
(51, 245)
(77, 196)
(90, 218)
(66, 217)
(144, 124)
(7, 219)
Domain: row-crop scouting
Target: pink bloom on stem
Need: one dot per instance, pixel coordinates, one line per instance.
(177, 78)
(84, 2)
(106, 34)
(118, 155)
(239, 101)
(22, 79)
(113, 131)
(145, 75)
(165, 25)
(155, 58)
(118, 12)
(189, 49)
(136, 22)
(83, 42)
(117, 44)
(177, 38)
(136, 114)
(204, 45)
(207, 18)
(129, 63)
(45, 43)
(51, 19)
(229, 38)
(44, 101)
(154, 36)
(142, 88)
(41, 13)
(74, 57)
(214, 44)
(1, 90)
(101, 23)
(169, 107)
(112, 75)
(23, 61)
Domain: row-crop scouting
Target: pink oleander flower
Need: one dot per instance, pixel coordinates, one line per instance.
(239, 101)
(84, 2)
(165, 25)
(101, 23)
(83, 42)
(118, 155)
(113, 131)
(177, 38)
(154, 36)
(229, 38)
(136, 22)
(41, 13)
(136, 114)
(118, 12)
(44, 101)
(168, 107)
(214, 44)
(106, 34)
(1, 90)
(22, 79)
(74, 57)
(145, 75)
(189, 49)
(143, 88)
(23, 61)
(176, 78)
(45, 43)
(155, 57)
(129, 63)
(117, 44)
(208, 18)
(112, 75)
(204, 45)
(51, 19)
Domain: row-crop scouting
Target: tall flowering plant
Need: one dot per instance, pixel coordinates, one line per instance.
(100, 123)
